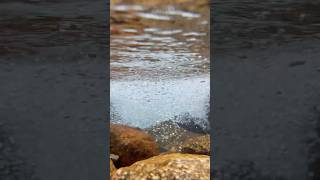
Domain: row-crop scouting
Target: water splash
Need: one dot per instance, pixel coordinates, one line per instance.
(142, 103)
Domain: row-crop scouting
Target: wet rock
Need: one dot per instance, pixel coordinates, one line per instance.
(168, 134)
(112, 168)
(174, 166)
(197, 145)
(131, 144)
(193, 124)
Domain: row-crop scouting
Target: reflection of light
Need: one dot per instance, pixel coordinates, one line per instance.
(157, 47)
(130, 30)
(169, 32)
(172, 11)
(150, 29)
(194, 34)
(127, 7)
(153, 16)
(192, 39)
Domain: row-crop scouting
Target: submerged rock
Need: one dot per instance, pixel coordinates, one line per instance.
(131, 144)
(197, 145)
(168, 134)
(193, 124)
(174, 166)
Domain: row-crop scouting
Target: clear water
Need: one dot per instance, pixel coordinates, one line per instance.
(159, 62)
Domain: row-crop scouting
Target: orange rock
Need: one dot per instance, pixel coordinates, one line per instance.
(174, 166)
(112, 168)
(131, 144)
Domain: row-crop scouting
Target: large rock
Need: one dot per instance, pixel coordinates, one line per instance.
(196, 145)
(174, 166)
(131, 144)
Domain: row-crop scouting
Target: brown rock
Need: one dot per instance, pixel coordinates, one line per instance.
(197, 145)
(174, 166)
(131, 144)
(112, 168)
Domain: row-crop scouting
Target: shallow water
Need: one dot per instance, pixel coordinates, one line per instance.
(142, 102)
(159, 63)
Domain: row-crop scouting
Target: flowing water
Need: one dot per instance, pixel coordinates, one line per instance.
(159, 62)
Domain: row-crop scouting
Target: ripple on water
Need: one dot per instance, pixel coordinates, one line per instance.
(159, 64)
(147, 41)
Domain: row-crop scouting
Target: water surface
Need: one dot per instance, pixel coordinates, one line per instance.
(159, 62)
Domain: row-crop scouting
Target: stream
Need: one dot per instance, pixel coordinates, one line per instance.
(159, 63)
